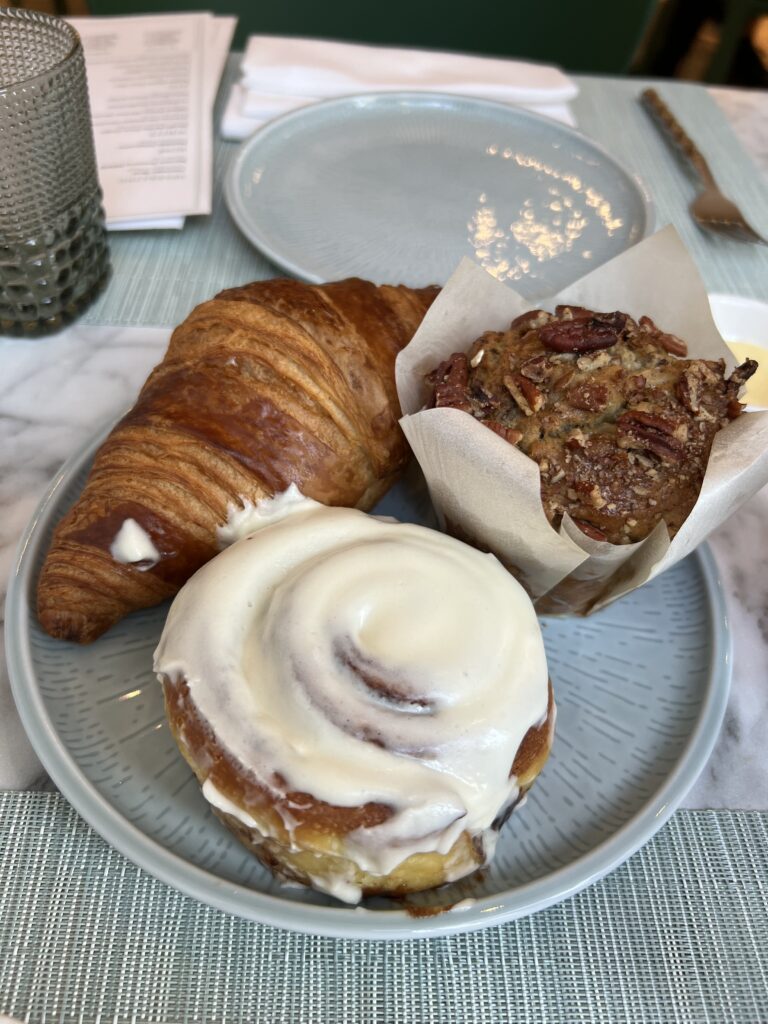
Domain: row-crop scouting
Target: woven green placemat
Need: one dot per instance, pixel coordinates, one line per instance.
(678, 933)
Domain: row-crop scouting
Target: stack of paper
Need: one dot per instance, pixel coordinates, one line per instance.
(279, 74)
(152, 81)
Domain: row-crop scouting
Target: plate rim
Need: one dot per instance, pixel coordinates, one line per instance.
(342, 922)
(237, 212)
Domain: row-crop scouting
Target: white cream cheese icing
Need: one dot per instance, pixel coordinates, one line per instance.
(365, 661)
(249, 517)
(466, 904)
(132, 544)
(217, 799)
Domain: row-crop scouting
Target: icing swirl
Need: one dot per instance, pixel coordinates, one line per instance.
(363, 660)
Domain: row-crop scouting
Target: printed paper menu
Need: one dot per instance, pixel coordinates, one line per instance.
(152, 81)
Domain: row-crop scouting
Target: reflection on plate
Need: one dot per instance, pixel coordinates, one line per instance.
(641, 689)
(398, 187)
(743, 324)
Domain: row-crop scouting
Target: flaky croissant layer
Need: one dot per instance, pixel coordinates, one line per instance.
(273, 383)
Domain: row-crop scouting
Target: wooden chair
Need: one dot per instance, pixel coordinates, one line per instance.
(738, 15)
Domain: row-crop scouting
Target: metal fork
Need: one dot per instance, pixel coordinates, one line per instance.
(711, 209)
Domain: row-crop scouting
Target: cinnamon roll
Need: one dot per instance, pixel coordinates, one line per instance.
(363, 701)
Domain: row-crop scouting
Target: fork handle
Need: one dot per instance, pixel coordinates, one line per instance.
(656, 106)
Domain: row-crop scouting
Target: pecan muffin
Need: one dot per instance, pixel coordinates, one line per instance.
(620, 423)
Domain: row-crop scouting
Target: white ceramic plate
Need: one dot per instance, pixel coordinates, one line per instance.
(641, 689)
(398, 187)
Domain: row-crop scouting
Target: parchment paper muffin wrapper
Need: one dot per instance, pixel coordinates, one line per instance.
(487, 492)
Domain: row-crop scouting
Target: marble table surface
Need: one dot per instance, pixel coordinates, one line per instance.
(55, 393)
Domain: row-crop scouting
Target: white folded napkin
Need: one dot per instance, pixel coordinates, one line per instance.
(319, 68)
(280, 74)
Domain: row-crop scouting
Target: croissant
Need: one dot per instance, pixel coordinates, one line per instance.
(269, 384)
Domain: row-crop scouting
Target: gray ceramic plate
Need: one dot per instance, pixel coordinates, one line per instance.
(641, 689)
(397, 187)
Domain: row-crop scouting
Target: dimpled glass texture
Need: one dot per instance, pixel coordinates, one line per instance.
(53, 248)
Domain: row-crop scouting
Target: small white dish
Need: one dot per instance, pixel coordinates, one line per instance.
(744, 321)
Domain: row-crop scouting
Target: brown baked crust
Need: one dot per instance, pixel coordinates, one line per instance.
(315, 847)
(274, 383)
(620, 425)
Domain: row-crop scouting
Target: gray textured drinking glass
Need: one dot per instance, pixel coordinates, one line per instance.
(53, 246)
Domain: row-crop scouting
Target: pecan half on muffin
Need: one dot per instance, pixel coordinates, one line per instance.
(619, 422)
